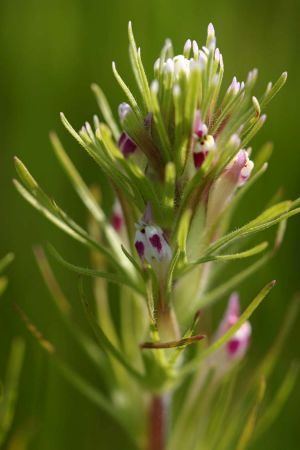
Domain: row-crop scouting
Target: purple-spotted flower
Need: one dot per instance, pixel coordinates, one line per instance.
(235, 175)
(237, 346)
(126, 144)
(203, 142)
(151, 244)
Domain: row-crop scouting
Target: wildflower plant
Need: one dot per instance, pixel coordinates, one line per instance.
(179, 163)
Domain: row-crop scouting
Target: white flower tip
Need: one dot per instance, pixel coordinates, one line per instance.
(256, 105)
(154, 87)
(269, 86)
(263, 118)
(205, 50)
(215, 80)
(202, 59)
(211, 30)
(157, 65)
(195, 47)
(252, 75)
(187, 46)
(168, 43)
(284, 76)
(169, 66)
(265, 166)
(123, 110)
(235, 140)
(221, 62)
(176, 90)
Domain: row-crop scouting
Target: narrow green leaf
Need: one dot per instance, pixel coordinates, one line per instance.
(247, 432)
(183, 229)
(245, 254)
(111, 277)
(254, 130)
(83, 386)
(87, 198)
(263, 156)
(158, 119)
(169, 186)
(276, 405)
(6, 261)
(232, 283)
(268, 218)
(105, 343)
(105, 110)
(274, 90)
(64, 307)
(76, 180)
(3, 285)
(10, 393)
(126, 91)
(133, 261)
(138, 69)
(171, 270)
(71, 130)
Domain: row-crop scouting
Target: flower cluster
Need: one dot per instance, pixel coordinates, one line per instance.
(179, 164)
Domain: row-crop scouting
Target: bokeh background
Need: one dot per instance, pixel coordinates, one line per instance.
(50, 52)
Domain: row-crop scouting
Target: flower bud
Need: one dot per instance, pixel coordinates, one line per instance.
(239, 170)
(235, 174)
(123, 110)
(237, 346)
(151, 244)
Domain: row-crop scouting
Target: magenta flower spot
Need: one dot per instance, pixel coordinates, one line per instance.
(126, 145)
(199, 159)
(156, 242)
(233, 346)
(117, 221)
(140, 248)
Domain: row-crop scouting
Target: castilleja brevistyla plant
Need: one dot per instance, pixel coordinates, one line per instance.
(179, 162)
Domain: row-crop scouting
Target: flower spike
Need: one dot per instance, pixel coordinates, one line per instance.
(183, 150)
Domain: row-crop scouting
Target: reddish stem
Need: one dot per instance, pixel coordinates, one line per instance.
(157, 424)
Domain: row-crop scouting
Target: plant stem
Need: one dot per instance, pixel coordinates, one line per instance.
(157, 423)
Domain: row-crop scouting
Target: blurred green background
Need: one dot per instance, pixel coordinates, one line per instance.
(50, 52)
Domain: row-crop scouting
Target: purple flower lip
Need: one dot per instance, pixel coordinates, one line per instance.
(233, 346)
(239, 343)
(117, 222)
(140, 248)
(202, 142)
(126, 145)
(156, 242)
(199, 158)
